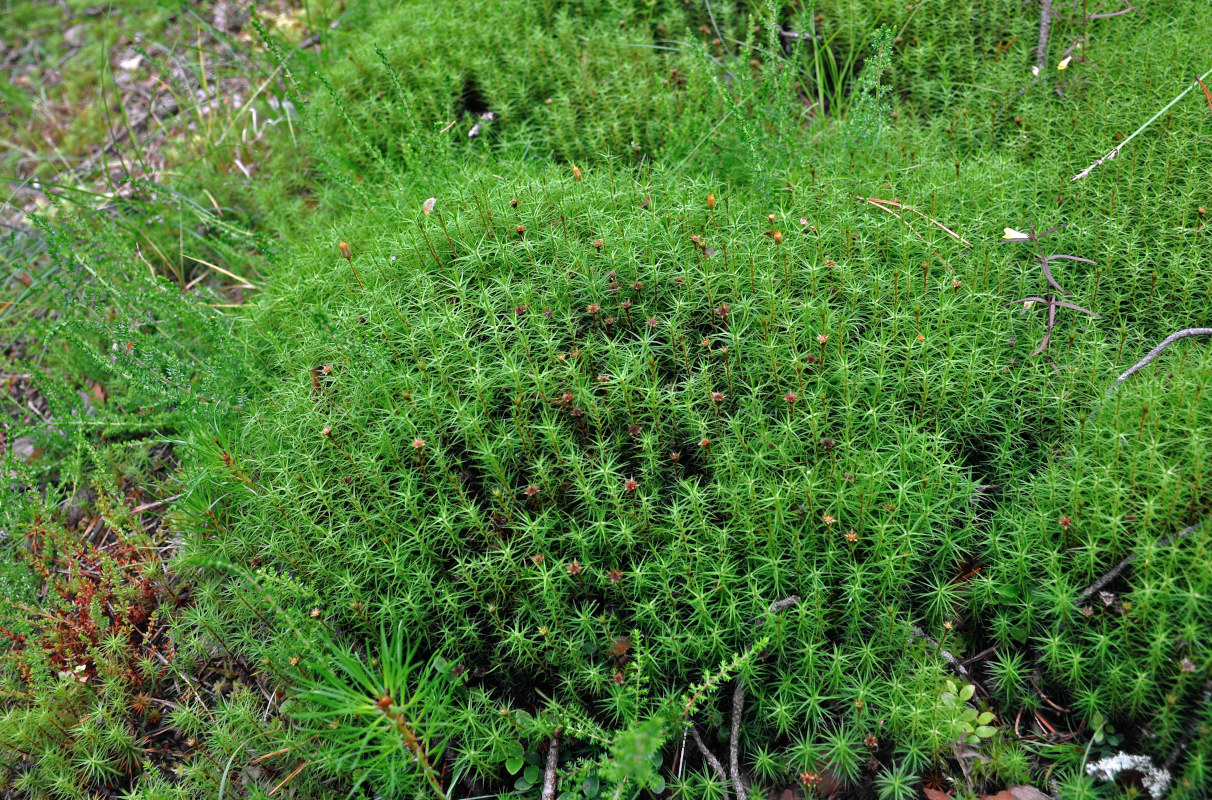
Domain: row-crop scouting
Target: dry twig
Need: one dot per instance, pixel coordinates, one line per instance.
(1114, 572)
(710, 758)
(553, 765)
(1045, 28)
(1156, 351)
(738, 702)
(738, 707)
(952, 661)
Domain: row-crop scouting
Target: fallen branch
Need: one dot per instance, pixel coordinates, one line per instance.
(1114, 572)
(1189, 731)
(553, 765)
(776, 607)
(1045, 28)
(988, 651)
(710, 758)
(1109, 14)
(956, 665)
(738, 702)
(738, 707)
(1156, 351)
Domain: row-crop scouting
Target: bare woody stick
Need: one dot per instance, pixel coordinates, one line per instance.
(1114, 572)
(738, 707)
(710, 758)
(553, 765)
(1045, 28)
(1157, 351)
(738, 703)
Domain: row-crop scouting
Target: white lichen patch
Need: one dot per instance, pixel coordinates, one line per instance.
(1156, 780)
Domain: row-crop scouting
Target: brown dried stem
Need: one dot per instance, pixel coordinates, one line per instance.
(883, 204)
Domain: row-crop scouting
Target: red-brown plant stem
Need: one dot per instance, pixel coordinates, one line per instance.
(414, 745)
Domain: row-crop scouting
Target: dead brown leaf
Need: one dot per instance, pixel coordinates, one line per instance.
(935, 794)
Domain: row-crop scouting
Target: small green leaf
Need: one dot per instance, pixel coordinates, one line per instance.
(532, 773)
(657, 784)
(521, 784)
(951, 687)
(966, 693)
(985, 731)
(985, 718)
(591, 786)
(514, 750)
(973, 740)
(513, 765)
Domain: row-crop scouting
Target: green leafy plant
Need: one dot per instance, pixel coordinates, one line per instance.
(968, 724)
(870, 107)
(383, 718)
(1104, 736)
